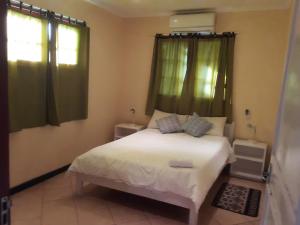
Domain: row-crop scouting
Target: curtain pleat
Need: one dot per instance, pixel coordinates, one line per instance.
(53, 117)
(68, 84)
(187, 96)
(155, 79)
(72, 82)
(222, 101)
(27, 85)
(169, 61)
(202, 77)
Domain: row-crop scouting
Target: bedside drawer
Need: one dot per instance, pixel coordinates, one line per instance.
(247, 166)
(248, 151)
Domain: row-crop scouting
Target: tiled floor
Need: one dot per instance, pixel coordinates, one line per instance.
(53, 203)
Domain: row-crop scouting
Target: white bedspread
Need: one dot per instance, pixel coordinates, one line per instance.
(142, 160)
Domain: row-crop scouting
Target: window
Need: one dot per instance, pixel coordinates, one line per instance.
(207, 67)
(174, 66)
(192, 73)
(67, 45)
(50, 83)
(24, 35)
(25, 40)
(206, 84)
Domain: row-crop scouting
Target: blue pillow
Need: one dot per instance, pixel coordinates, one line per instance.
(169, 124)
(196, 126)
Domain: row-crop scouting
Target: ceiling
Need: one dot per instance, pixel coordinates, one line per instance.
(145, 8)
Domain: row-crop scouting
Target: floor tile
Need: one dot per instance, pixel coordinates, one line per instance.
(207, 216)
(31, 211)
(27, 222)
(93, 211)
(256, 222)
(62, 180)
(57, 193)
(124, 214)
(249, 223)
(159, 220)
(225, 217)
(59, 212)
(168, 211)
(31, 195)
(145, 222)
(27, 205)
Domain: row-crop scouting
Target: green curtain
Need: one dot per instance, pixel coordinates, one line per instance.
(173, 66)
(200, 82)
(52, 78)
(27, 80)
(222, 102)
(68, 83)
(48, 76)
(170, 59)
(207, 85)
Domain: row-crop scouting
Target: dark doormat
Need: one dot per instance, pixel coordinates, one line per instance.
(238, 199)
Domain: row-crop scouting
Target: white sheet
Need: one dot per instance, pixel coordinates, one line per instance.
(142, 160)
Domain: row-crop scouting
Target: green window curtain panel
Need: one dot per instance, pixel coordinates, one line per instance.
(199, 85)
(27, 70)
(207, 73)
(68, 73)
(52, 79)
(173, 66)
(222, 103)
(48, 71)
(168, 74)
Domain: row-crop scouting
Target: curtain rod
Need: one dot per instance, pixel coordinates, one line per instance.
(37, 11)
(199, 35)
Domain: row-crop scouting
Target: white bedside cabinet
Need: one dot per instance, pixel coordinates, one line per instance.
(250, 159)
(125, 129)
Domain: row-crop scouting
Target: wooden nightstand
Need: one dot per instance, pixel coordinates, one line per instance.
(251, 157)
(125, 129)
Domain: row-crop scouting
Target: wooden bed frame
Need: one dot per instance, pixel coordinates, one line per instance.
(170, 198)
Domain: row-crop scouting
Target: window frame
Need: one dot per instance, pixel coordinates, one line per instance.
(65, 62)
(16, 57)
(178, 92)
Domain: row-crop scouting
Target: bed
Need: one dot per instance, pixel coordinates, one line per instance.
(139, 164)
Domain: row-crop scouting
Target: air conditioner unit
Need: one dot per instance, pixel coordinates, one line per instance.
(201, 22)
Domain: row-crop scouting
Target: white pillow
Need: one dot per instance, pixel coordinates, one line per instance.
(160, 114)
(218, 125)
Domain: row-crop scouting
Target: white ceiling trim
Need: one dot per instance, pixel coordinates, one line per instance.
(127, 12)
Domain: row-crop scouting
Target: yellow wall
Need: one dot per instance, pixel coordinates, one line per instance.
(120, 61)
(34, 152)
(260, 50)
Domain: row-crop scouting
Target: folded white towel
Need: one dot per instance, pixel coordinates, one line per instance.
(181, 164)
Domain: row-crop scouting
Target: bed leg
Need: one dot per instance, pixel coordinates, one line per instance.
(78, 185)
(193, 218)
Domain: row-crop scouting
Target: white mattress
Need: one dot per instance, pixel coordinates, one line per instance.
(142, 160)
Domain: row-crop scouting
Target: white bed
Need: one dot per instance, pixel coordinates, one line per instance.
(139, 164)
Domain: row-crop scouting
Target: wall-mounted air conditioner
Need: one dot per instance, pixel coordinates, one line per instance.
(201, 22)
